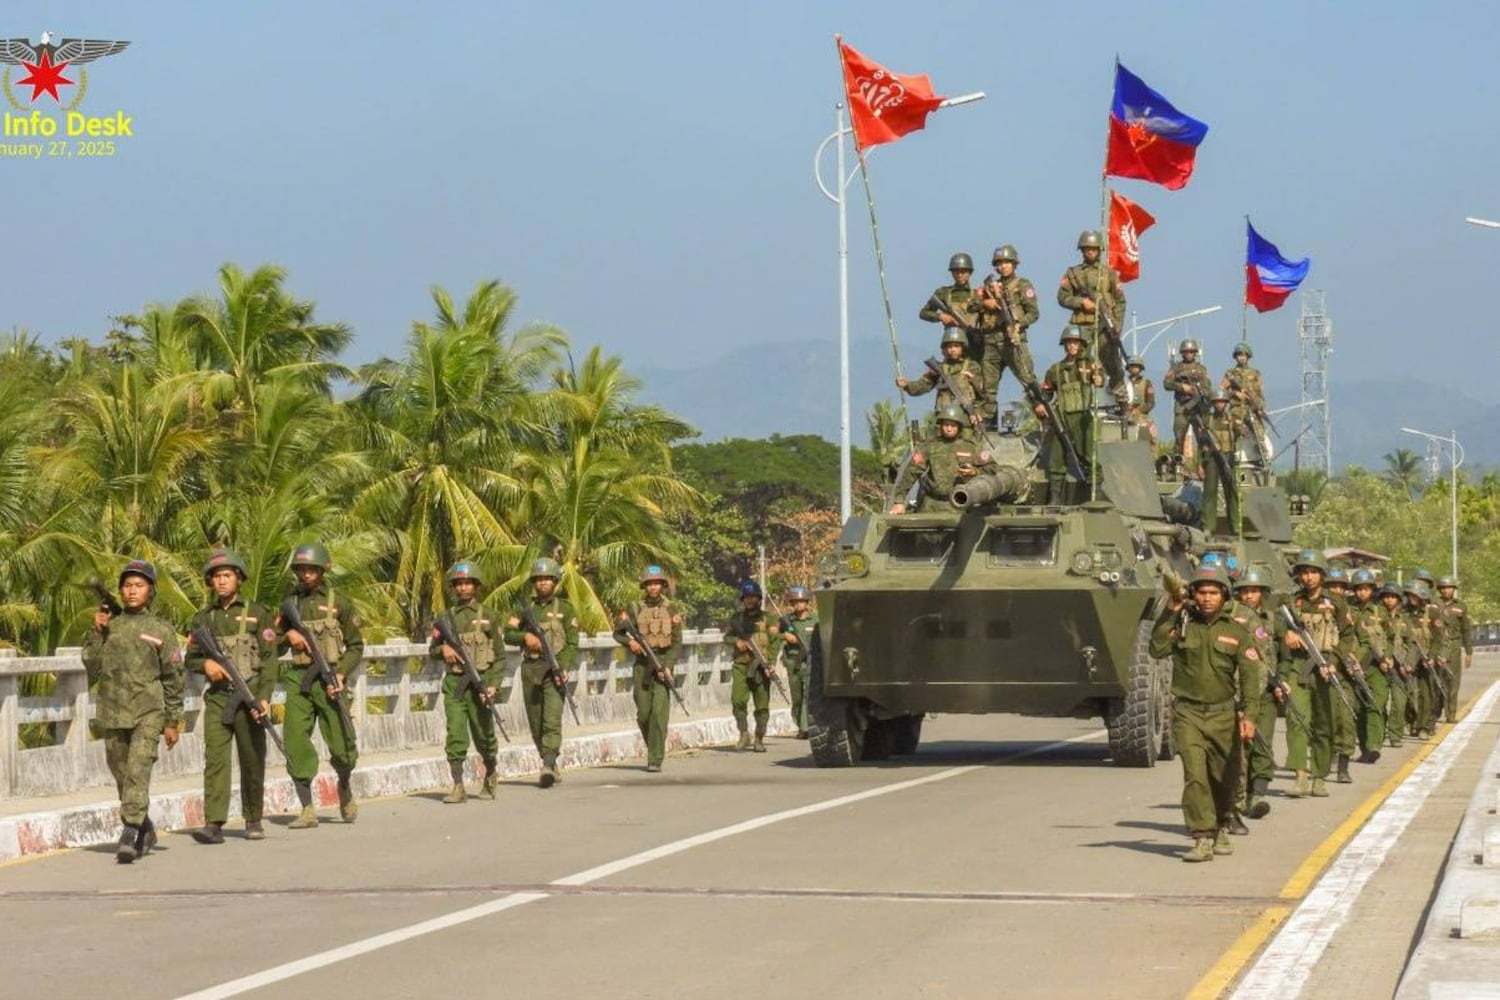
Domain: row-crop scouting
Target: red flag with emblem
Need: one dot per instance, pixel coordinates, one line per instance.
(1127, 221)
(884, 106)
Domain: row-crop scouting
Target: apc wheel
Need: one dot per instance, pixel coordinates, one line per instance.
(1135, 722)
(880, 739)
(833, 732)
(907, 734)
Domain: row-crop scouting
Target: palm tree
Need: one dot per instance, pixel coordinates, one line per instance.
(1403, 468)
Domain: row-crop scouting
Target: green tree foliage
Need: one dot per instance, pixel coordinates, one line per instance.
(1403, 468)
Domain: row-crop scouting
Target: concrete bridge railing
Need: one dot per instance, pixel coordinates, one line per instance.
(396, 705)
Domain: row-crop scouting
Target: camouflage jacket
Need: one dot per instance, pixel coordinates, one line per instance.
(479, 630)
(942, 464)
(660, 624)
(756, 628)
(1021, 296)
(1187, 382)
(334, 627)
(1096, 282)
(247, 634)
(958, 301)
(137, 667)
(963, 373)
(1251, 394)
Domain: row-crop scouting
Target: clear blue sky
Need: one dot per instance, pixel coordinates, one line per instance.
(640, 172)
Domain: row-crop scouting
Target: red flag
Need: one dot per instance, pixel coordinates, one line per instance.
(884, 106)
(1127, 221)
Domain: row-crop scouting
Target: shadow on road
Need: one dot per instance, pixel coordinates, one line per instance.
(1138, 824)
(1142, 847)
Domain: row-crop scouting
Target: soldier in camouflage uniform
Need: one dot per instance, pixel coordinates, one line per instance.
(246, 634)
(1188, 382)
(1460, 651)
(1253, 612)
(1216, 691)
(1345, 722)
(750, 625)
(657, 620)
(962, 372)
(1327, 619)
(1374, 656)
(1398, 642)
(468, 715)
(943, 463)
(542, 694)
(953, 305)
(796, 631)
(1091, 289)
(1140, 399)
(1071, 383)
(133, 661)
(1222, 432)
(1005, 292)
(336, 629)
(1246, 389)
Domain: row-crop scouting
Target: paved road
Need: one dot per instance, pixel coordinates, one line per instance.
(1006, 859)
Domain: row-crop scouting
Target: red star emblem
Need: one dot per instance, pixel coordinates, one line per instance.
(1139, 135)
(45, 76)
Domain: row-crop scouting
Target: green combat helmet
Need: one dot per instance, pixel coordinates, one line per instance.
(1362, 577)
(1070, 332)
(1425, 575)
(797, 592)
(1089, 240)
(960, 262)
(311, 554)
(140, 568)
(1337, 575)
(224, 559)
(1188, 346)
(953, 335)
(1391, 588)
(1136, 361)
(1243, 348)
(653, 573)
(1253, 577)
(1219, 395)
(464, 571)
(1447, 581)
(1210, 574)
(952, 413)
(545, 567)
(1311, 559)
(1006, 253)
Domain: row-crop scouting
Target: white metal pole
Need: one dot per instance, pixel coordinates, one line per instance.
(846, 470)
(1453, 460)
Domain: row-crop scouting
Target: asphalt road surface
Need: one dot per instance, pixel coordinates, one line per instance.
(1007, 858)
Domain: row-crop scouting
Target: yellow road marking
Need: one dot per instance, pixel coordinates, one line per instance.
(1232, 962)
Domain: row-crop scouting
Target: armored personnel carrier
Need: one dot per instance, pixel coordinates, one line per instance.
(1002, 604)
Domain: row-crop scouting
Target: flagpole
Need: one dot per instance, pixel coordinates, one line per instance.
(1104, 235)
(1245, 303)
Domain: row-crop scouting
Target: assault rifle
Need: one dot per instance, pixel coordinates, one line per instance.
(107, 600)
(760, 659)
(951, 388)
(1357, 681)
(446, 631)
(1206, 440)
(1276, 684)
(663, 675)
(554, 672)
(1314, 655)
(1395, 673)
(318, 670)
(209, 643)
(1259, 412)
(943, 307)
(1059, 429)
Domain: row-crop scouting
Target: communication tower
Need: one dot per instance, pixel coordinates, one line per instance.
(1315, 334)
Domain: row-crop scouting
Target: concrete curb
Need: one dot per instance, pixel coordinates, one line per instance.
(99, 823)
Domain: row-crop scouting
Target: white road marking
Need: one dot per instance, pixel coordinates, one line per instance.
(1284, 967)
(354, 949)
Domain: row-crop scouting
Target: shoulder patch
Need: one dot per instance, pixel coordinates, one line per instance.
(1227, 640)
(153, 640)
(1251, 653)
(269, 635)
(1030, 292)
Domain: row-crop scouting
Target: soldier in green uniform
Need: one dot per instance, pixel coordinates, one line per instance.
(657, 620)
(246, 634)
(962, 372)
(1345, 721)
(1419, 707)
(1216, 691)
(1327, 620)
(1222, 433)
(1140, 399)
(334, 626)
(1071, 383)
(468, 716)
(1460, 650)
(1252, 594)
(543, 695)
(133, 661)
(1188, 382)
(1398, 642)
(796, 631)
(1091, 289)
(953, 305)
(1005, 293)
(1376, 656)
(1246, 389)
(941, 464)
(750, 625)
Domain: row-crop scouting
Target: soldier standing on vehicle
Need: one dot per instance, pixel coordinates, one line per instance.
(335, 629)
(1091, 289)
(751, 626)
(1071, 383)
(1375, 655)
(134, 661)
(1140, 399)
(1216, 691)
(1398, 641)
(246, 633)
(657, 620)
(468, 715)
(962, 372)
(954, 303)
(544, 694)
(1246, 390)
(1460, 651)
(1327, 620)
(1252, 592)
(1221, 431)
(1005, 346)
(943, 463)
(796, 631)
(1188, 382)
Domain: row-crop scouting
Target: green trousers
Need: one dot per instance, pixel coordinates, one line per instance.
(303, 711)
(999, 353)
(747, 683)
(796, 683)
(653, 710)
(249, 742)
(1213, 486)
(1419, 704)
(1372, 719)
(131, 754)
(544, 708)
(1206, 742)
(1395, 715)
(1345, 730)
(1261, 762)
(1456, 668)
(468, 719)
(1310, 751)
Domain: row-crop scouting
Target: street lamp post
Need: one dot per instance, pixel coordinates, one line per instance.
(1165, 324)
(1455, 459)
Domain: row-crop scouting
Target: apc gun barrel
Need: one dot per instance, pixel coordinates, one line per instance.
(1005, 484)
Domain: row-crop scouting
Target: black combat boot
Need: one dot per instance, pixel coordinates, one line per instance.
(212, 833)
(1369, 756)
(145, 838)
(1236, 826)
(125, 852)
(1259, 807)
(1343, 776)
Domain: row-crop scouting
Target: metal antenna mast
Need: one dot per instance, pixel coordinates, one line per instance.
(1315, 333)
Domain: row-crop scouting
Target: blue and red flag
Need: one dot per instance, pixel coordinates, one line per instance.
(1149, 139)
(1269, 277)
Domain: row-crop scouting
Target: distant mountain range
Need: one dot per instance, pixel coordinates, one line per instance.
(793, 388)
